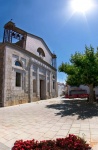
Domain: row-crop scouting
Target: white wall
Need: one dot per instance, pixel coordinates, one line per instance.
(33, 43)
(84, 87)
(96, 90)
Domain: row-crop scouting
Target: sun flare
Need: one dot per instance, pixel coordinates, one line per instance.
(82, 6)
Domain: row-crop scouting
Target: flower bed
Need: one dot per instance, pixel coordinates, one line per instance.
(72, 142)
(77, 96)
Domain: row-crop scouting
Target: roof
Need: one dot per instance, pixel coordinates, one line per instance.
(11, 25)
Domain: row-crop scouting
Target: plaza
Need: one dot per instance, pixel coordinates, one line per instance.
(49, 119)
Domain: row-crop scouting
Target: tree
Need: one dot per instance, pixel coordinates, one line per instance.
(82, 69)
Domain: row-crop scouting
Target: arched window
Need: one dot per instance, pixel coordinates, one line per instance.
(53, 77)
(17, 63)
(18, 74)
(41, 52)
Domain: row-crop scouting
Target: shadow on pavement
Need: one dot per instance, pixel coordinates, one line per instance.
(81, 108)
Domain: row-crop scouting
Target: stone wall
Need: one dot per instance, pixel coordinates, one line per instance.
(15, 95)
(1, 74)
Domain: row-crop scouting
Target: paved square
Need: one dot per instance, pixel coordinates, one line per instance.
(48, 119)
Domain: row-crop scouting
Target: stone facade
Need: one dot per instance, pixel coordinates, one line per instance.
(27, 68)
(1, 73)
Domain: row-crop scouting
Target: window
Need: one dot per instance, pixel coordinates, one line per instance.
(53, 85)
(18, 79)
(17, 63)
(53, 77)
(41, 52)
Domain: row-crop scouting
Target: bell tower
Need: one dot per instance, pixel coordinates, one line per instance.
(12, 32)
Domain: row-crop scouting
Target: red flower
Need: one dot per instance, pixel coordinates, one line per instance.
(72, 142)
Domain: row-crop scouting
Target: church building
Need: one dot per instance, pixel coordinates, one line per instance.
(27, 68)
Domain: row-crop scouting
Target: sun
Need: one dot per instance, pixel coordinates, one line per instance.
(82, 6)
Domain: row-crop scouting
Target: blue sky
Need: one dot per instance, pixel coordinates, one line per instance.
(63, 31)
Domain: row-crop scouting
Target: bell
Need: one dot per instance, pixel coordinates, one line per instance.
(18, 35)
(22, 38)
(13, 34)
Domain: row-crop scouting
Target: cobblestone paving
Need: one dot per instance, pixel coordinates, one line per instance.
(49, 119)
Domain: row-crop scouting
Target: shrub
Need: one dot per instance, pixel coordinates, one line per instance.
(72, 142)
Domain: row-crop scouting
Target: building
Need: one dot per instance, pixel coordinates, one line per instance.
(61, 89)
(27, 68)
(82, 89)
